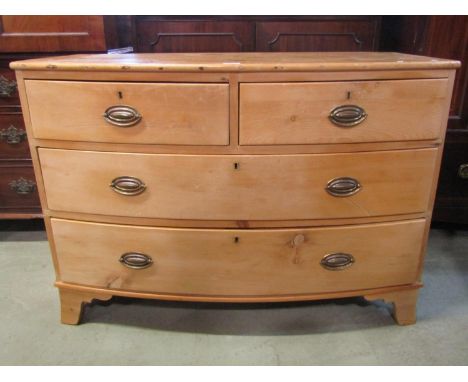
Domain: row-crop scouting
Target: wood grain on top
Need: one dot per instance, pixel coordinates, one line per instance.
(236, 62)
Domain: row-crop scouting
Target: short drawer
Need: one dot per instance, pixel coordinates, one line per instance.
(238, 262)
(341, 112)
(18, 188)
(152, 113)
(239, 187)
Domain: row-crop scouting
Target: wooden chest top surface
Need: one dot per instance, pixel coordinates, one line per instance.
(237, 62)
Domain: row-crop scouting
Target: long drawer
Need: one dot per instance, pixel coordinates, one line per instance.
(238, 187)
(341, 112)
(238, 262)
(119, 112)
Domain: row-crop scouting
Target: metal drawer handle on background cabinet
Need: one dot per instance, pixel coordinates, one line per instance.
(22, 186)
(7, 87)
(13, 135)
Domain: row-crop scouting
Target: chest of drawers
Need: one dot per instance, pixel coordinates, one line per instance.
(237, 177)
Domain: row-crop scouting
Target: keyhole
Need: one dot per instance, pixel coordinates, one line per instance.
(236, 239)
(348, 95)
(236, 165)
(120, 95)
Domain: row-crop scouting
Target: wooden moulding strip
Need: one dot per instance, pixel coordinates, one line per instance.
(236, 299)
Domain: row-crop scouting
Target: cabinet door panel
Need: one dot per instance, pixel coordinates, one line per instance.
(194, 36)
(318, 35)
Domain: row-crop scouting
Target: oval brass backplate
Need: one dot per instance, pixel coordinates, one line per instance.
(347, 115)
(136, 260)
(337, 261)
(128, 185)
(122, 116)
(344, 186)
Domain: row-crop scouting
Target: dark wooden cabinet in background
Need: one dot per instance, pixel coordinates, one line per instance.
(55, 33)
(254, 33)
(445, 37)
(24, 37)
(438, 36)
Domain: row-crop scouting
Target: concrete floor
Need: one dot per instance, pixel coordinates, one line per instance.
(140, 332)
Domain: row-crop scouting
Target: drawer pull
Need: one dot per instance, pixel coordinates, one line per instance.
(343, 186)
(22, 186)
(122, 116)
(347, 115)
(337, 261)
(12, 135)
(463, 171)
(128, 185)
(7, 87)
(136, 260)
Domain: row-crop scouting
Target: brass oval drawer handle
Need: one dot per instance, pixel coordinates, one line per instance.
(12, 135)
(347, 115)
(136, 260)
(122, 116)
(128, 185)
(343, 186)
(337, 261)
(22, 186)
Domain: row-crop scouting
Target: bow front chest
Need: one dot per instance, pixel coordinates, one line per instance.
(237, 177)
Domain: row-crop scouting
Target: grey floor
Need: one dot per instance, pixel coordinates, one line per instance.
(137, 332)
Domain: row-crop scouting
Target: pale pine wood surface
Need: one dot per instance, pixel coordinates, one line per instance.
(262, 188)
(237, 62)
(259, 262)
(412, 175)
(404, 304)
(71, 304)
(225, 77)
(238, 298)
(297, 113)
(190, 114)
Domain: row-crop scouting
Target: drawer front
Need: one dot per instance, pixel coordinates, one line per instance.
(18, 188)
(171, 113)
(13, 139)
(299, 113)
(238, 262)
(238, 187)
